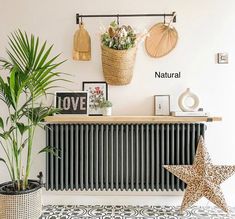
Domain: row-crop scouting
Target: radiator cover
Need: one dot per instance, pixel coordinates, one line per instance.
(119, 156)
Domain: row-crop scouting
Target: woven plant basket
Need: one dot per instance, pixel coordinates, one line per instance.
(118, 65)
(23, 205)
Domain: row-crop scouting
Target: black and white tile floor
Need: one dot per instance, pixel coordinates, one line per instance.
(131, 212)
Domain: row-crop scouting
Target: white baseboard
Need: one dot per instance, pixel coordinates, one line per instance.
(113, 198)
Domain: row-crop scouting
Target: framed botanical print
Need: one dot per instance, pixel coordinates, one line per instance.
(98, 91)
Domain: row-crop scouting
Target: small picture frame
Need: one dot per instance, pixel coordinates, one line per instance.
(75, 102)
(162, 105)
(97, 90)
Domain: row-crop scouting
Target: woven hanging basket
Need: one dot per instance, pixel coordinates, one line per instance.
(22, 205)
(118, 65)
(162, 40)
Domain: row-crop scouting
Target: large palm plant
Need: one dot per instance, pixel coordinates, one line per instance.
(31, 73)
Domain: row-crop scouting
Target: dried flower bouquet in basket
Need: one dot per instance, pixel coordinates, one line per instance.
(119, 38)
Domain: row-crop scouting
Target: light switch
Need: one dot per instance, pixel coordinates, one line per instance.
(222, 58)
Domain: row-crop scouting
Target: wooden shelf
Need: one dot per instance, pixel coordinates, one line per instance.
(127, 119)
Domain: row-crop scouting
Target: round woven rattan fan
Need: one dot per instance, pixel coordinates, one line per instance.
(162, 40)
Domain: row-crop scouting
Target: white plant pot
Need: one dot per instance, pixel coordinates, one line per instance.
(107, 111)
(21, 205)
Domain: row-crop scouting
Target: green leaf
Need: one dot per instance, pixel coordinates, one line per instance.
(114, 24)
(7, 134)
(1, 123)
(22, 128)
(2, 160)
(4, 135)
(51, 150)
(5, 93)
(13, 89)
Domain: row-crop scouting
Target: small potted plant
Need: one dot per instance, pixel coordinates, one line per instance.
(31, 72)
(119, 46)
(106, 107)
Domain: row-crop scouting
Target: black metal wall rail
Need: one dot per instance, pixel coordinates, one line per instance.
(81, 16)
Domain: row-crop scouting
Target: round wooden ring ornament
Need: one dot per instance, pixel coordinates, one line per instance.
(184, 106)
(162, 40)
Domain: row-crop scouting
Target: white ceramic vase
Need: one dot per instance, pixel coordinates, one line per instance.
(186, 107)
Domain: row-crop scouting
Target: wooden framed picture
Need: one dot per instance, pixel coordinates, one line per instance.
(98, 91)
(72, 102)
(162, 105)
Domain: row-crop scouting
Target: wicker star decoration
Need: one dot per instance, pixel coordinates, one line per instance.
(203, 179)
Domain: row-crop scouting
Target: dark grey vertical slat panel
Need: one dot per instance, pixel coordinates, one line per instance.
(182, 155)
(101, 140)
(96, 168)
(111, 159)
(116, 157)
(172, 160)
(66, 157)
(198, 134)
(71, 157)
(204, 130)
(157, 137)
(177, 152)
(121, 160)
(167, 155)
(132, 157)
(47, 157)
(127, 156)
(162, 158)
(153, 160)
(142, 179)
(62, 156)
(193, 148)
(137, 157)
(91, 157)
(56, 158)
(52, 158)
(188, 145)
(76, 145)
(147, 168)
(81, 134)
(86, 157)
(106, 145)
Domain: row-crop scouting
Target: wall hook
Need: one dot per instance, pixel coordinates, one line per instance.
(118, 19)
(77, 18)
(164, 18)
(174, 17)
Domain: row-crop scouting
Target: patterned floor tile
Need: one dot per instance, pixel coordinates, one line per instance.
(131, 212)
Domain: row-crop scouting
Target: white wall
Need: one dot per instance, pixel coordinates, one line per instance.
(204, 27)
